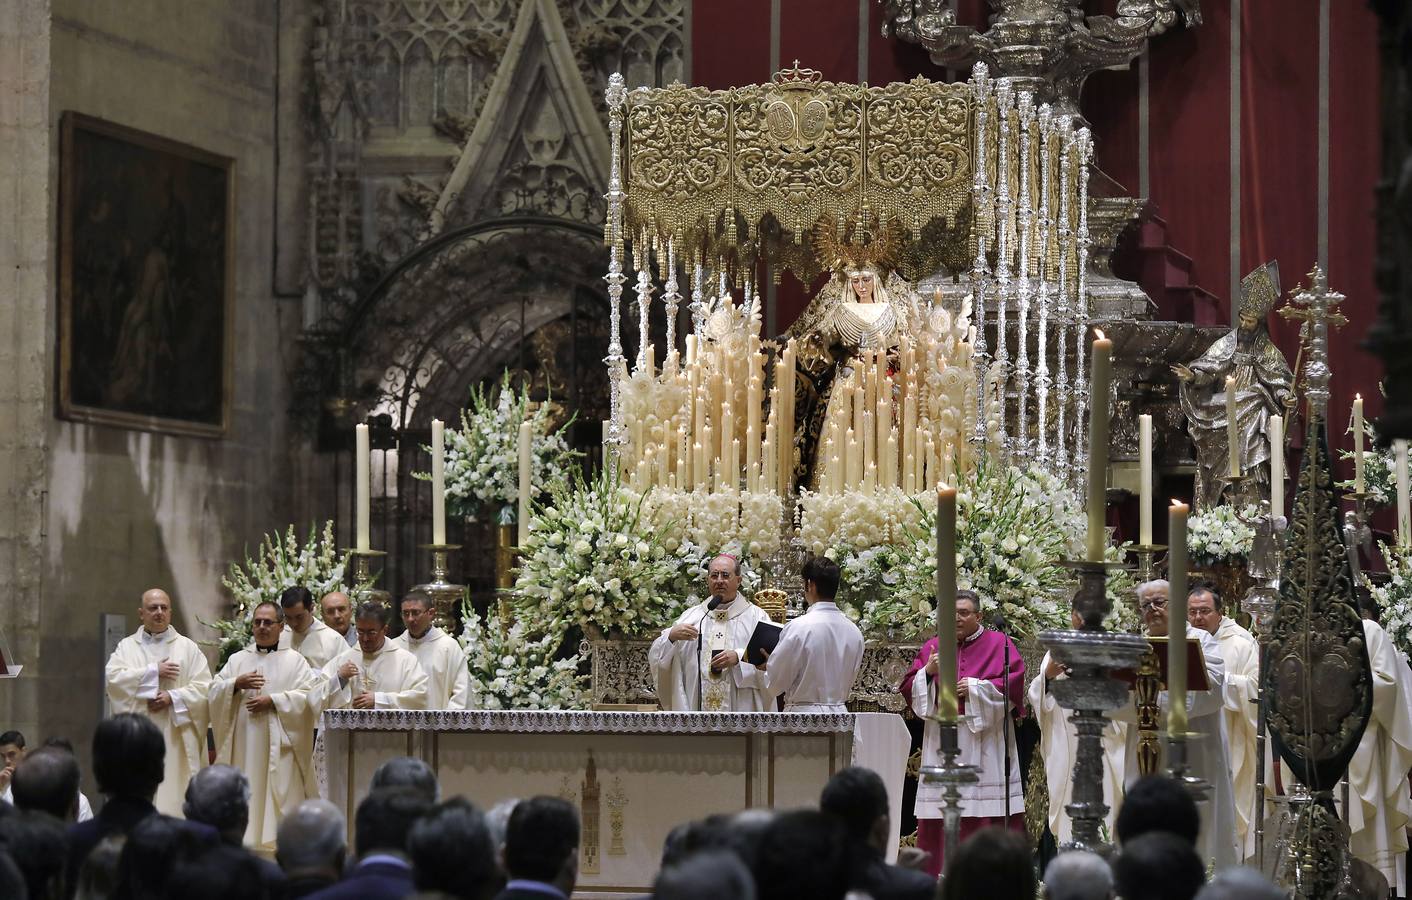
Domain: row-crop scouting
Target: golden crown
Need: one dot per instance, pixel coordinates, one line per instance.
(865, 243)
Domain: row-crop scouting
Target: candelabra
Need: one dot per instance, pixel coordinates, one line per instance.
(444, 595)
(952, 775)
(363, 578)
(1091, 655)
(1147, 564)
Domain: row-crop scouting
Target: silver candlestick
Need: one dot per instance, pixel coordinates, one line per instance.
(952, 776)
(1089, 691)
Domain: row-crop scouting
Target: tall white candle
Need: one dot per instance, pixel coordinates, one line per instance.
(946, 602)
(1358, 482)
(523, 513)
(438, 482)
(1404, 518)
(1232, 436)
(1100, 386)
(1176, 619)
(1144, 451)
(1277, 465)
(362, 513)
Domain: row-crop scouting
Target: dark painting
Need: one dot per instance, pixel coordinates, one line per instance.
(145, 280)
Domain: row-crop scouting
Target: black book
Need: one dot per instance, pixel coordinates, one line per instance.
(765, 637)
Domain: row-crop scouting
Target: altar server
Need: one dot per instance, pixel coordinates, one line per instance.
(163, 675)
(816, 660)
(699, 663)
(1058, 747)
(314, 640)
(985, 698)
(376, 674)
(1206, 741)
(1241, 652)
(1379, 805)
(265, 705)
(441, 655)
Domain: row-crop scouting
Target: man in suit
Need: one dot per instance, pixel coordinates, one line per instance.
(857, 797)
(383, 871)
(541, 850)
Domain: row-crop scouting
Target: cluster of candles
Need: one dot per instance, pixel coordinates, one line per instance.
(702, 445)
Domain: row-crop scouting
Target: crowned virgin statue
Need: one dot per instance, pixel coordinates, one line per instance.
(863, 310)
(1263, 384)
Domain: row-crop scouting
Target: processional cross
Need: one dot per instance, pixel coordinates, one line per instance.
(1316, 310)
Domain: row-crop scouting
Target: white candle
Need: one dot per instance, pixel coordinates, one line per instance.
(1277, 465)
(1144, 441)
(438, 482)
(1232, 438)
(524, 514)
(1100, 386)
(946, 602)
(1358, 483)
(1176, 619)
(1404, 519)
(362, 504)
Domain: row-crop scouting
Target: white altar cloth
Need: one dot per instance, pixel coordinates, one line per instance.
(634, 775)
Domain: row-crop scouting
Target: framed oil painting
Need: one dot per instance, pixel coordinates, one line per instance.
(145, 280)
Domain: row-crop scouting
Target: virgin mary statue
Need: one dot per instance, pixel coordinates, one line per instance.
(864, 309)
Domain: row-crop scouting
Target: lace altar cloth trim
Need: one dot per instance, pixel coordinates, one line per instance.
(545, 721)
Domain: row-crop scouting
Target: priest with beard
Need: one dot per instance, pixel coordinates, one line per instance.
(699, 663)
(264, 710)
(1206, 731)
(158, 673)
(376, 674)
(985, 698)
(440, 654)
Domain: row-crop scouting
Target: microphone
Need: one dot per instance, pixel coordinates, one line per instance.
(998, 623)
(715, 602)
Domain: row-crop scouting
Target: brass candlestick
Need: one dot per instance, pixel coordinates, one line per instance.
(1147, 564)
(363, 579)
(444, 595)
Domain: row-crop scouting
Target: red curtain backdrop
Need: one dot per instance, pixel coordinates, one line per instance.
(1189, 135)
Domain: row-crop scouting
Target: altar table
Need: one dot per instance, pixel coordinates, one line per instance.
(633, 775)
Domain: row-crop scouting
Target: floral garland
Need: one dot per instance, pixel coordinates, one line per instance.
(1395, 595)
(508, 670)
(1379, 469)
(747, 521)
(482, 457)
(595, 561)
(1218, 537)
(857, 520)
(280, 564)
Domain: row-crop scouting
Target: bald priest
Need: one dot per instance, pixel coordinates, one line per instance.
(158, 673)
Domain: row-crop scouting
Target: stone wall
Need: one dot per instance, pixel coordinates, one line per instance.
(127, 510)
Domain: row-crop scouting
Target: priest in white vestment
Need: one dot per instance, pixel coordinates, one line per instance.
(441, 655)
(699, 663)
(1380, 805)
(265, 705)
(816, 660)
(338, 615)
(313, 640)
(1206, 610)
(158, 673)
(990, 683)
(1058, 747)
(376, 674)
(1206, 728)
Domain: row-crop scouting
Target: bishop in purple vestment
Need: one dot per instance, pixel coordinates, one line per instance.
(985, 697)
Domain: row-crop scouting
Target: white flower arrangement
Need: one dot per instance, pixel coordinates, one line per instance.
(1218, 536)
(1379, 469)
(279, 564)
(856, 519)
(595, 561)
(1394, 596)
(1014, 526)
(508, 670)
(483, 456)
(748, 521)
